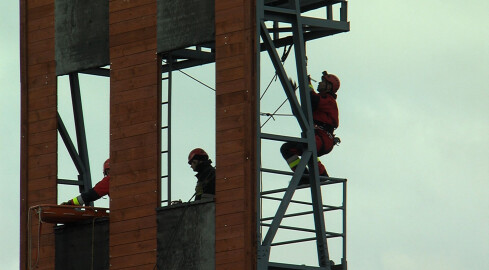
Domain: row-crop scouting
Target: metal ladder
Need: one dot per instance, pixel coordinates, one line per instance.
(166, 107)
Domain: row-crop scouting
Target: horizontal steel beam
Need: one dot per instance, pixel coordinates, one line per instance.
(193, 54)
(70, 182)
(326, 208)
(284, 266)
(328, 181)
(184, 64)
(310, 34)
(104, 72)
(328, 235)
(290, 228)
(293, 201)
(281, 138)
(305, 5)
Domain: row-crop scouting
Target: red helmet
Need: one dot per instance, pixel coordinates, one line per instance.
(107, 164)
(197, 152)
(332, 79)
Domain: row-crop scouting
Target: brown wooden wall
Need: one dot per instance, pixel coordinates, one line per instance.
(235, 134)
(135, 131)
(38, 127)
(135, 105)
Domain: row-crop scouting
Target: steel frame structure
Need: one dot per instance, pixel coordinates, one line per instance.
(178, 60)
(80, 158)
(301, 29)
(175, 60)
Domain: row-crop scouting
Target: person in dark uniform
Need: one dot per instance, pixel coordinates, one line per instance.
(206, 174)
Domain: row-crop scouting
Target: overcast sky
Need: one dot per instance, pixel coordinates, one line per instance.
(414, 124)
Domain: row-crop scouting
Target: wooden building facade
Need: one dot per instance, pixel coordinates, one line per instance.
(133, 42)
(135, 104)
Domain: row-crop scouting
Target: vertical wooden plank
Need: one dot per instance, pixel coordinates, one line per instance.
(135, 134)
(38, 158)
(236, 114)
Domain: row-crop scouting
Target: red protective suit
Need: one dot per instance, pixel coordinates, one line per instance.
(326, 120)
(99, 190)
(102, 187)
(325, 116)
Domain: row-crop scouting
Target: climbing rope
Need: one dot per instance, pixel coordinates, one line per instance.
(271, 115)
(274, 113)
(197, 80)
(283, 58)
(285, 54)
(270, 83)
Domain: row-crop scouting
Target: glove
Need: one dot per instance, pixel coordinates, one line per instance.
(70, 202)
(337, 140)
(325, 74)
(176, 202)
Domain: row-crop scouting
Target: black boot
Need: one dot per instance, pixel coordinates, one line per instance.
(305, 178)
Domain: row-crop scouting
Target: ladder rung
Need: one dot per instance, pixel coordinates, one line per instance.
(289, 215)
(290, 228)
(279, 199)
(325, 206)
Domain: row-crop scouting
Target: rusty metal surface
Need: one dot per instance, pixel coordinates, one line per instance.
(50, 213)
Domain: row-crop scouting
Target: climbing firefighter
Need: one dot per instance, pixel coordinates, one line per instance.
(206, 174)
(325, 116)
(98, 191)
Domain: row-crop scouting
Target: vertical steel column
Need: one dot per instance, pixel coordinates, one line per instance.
(290, 12)
(343, 259)
(170, 65)
(319, 224)
(263, 253)
(80, 132)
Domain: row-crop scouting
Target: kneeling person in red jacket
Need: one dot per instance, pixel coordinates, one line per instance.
(98, 191)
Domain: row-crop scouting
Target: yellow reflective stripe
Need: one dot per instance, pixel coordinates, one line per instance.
(310, 86)
(294, 163)
(75, 201)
